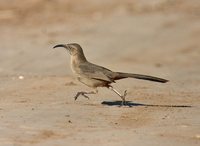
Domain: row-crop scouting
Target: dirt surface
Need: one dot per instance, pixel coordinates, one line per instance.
(155, 37)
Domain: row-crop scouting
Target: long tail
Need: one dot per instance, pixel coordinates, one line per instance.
(121, 75)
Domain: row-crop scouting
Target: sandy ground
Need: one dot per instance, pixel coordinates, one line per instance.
(155, 37)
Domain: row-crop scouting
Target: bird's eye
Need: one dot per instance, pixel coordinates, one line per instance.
(70, 48)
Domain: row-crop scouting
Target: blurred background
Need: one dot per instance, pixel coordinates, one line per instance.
(155, 36)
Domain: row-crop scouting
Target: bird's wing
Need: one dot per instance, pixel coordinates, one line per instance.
(95, 72)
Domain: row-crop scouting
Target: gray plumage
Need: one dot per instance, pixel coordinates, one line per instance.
(97, 76)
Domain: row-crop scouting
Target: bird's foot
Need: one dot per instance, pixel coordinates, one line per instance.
(81, 93)
(84, 94)
(123, 103)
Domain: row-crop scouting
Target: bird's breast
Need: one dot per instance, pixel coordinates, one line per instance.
(75, 66)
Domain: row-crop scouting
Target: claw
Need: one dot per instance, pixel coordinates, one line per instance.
(123, 103)
(80, 93)
(125, 93)
(77, 95)
(84, 94)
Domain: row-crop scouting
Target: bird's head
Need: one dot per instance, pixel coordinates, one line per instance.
(73, 48)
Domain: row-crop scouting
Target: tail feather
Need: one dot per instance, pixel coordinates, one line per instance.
(139, 76)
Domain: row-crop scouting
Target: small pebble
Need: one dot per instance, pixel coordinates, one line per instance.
(21, 77)
(197, 136)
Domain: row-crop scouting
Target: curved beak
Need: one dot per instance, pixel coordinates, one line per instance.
(61, 45)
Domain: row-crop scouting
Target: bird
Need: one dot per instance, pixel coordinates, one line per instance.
(95, 76)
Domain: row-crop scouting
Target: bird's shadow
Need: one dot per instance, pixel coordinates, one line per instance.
(132, 104)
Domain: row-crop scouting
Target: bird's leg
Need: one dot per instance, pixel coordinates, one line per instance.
(122, 96)
(84, 94)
